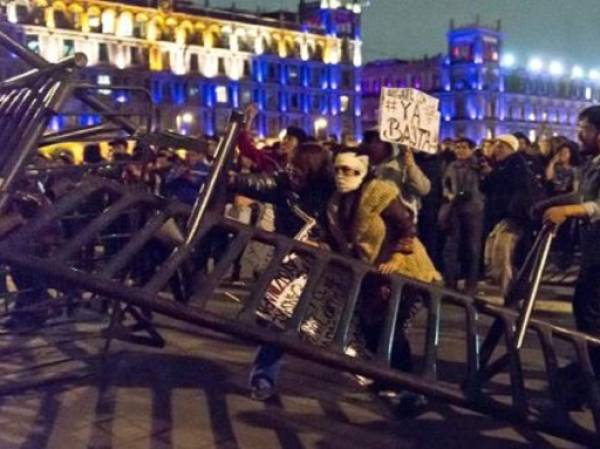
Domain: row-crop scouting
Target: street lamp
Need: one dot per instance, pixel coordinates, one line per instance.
(577, 72)
(535, 65)
(508, 60)
(556, 68)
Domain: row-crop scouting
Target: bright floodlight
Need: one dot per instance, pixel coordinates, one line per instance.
(535, 65)
(594, 74)
(577, 72)
(556, 68)
(508, 60)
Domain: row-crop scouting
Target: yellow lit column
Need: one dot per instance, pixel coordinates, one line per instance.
(85, 24)
(155, 61)
(49, 17)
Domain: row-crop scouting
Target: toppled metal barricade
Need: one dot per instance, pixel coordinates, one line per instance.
(61, 271)
(114, 277)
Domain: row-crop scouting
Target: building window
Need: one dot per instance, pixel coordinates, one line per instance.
(294, 102)
(588, 93)
(462, 52)
(135, 56)
(166, 92)
(139, 29)
(316, 102)
(460, 108)
(222, 41)
(245, 96)
(33, 43)
(490, 51)
(194, 64)
(61, 20)
(245, 44)
(490, 109)
(271, 100)
(344, 101)
(272, 72)
(293, 74)
(192, 90)
(247, 68)
(103, 53)
(221, 93)
(68, 47)
(104, 80)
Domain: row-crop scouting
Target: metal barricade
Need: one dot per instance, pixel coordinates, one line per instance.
(472, 390)
(60, 268)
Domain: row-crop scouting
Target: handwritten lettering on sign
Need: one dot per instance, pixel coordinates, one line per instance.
(409, 117)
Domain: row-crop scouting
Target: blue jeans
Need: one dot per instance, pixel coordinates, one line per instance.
(267, 363)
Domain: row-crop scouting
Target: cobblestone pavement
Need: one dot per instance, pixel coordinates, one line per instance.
(192, 395)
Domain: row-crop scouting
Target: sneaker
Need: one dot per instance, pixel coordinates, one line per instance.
(262, 389)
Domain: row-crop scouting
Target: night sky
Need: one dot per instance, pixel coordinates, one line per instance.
(567, 30)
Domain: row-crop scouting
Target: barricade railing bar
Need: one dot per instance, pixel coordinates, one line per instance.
(28, 101)
(473, 391)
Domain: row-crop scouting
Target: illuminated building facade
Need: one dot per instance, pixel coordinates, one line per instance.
(301, 68)
(481, 91)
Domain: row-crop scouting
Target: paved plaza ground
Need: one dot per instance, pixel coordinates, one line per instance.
(192, 395)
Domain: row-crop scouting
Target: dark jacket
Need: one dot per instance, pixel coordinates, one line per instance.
(590, 231)
(505, 190)
(276, 189)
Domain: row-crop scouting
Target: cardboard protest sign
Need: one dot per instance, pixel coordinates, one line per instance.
(409, 117)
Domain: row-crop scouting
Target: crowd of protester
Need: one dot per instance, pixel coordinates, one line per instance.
(464, 213)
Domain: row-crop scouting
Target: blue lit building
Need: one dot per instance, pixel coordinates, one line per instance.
(302, 68)
(482, 94)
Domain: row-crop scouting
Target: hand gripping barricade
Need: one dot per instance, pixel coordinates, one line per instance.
(111, 278)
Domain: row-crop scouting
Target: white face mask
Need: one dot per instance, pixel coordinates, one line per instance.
(350, 172)
(348, 183)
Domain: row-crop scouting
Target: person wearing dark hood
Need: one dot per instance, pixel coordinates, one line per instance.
(306, 183)
(269, 159)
